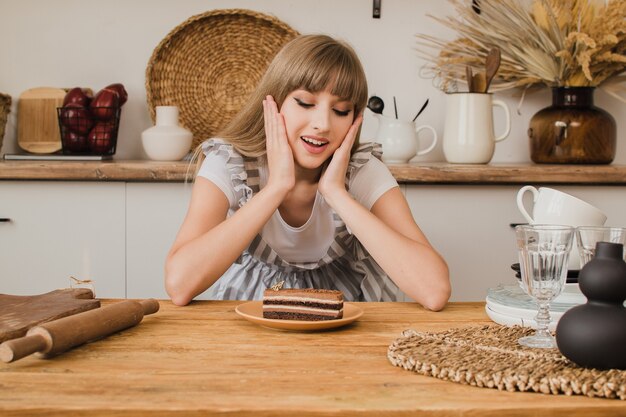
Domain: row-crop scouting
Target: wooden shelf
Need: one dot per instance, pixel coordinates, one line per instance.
(444, 173)
(423, 173)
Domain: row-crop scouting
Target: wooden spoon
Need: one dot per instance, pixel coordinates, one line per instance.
(479, 83)
(468, 74)
(492, 65)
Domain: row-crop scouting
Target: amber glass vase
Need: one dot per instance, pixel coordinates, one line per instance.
(572, 130)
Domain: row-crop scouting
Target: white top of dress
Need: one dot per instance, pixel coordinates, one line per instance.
(309, 242)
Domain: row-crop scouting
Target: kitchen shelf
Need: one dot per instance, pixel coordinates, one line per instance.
(423, 173)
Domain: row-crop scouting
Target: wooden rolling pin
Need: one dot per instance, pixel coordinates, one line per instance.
(57, 336)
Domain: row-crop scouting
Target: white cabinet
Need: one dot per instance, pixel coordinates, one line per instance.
(470, 226)
(118, 234)
(58, 229)
(154, 213)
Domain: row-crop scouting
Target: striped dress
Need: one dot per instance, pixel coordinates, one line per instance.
(346, 266)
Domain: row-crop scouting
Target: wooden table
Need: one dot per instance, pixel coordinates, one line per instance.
(204, 359)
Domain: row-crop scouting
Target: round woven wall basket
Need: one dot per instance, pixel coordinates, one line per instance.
(209, 64)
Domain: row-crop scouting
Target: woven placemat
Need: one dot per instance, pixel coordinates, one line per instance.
(209, 64)
(490, 357)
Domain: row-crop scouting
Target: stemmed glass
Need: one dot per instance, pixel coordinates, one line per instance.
(588, 236)
(543, 254)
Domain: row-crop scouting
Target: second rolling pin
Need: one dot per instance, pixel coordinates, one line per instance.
(57, 336)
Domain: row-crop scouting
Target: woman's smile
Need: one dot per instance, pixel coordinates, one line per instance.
(314, 144)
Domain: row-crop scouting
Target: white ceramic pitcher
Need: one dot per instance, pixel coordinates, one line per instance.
(400, 139)
(468, 136)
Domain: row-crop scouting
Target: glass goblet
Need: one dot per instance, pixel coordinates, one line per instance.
(543, 255)
(588, 236)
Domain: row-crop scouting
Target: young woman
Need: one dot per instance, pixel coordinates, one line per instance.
(287, 194)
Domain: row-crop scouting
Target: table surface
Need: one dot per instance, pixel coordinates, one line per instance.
(204, 359)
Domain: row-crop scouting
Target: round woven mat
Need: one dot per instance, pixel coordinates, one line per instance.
(490, 357)
(209, 64)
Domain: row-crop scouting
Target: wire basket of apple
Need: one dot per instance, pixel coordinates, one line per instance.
(89, 125)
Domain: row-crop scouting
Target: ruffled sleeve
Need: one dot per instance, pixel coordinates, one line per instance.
(361, 156)
(234, 165)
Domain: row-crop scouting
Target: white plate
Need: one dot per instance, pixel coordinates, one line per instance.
(506, 320)
(522, 313)
(514, 296)
(571, 295)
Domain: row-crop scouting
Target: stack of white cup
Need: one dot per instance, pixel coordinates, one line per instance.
(551, 206)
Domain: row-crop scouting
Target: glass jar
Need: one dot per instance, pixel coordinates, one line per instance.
(572, 130)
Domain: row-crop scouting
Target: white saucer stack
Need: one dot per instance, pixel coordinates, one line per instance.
(509, 305)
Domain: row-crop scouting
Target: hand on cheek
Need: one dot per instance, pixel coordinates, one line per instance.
(279, 154)
(333, 178)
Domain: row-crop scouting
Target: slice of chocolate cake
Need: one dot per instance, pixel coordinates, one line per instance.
(302, 304)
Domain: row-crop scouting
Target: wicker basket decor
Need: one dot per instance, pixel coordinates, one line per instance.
(5, 108)
(209, 64)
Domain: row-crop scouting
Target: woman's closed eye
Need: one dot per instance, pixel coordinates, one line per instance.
(303, 103)
(338, 112)
(342, 113)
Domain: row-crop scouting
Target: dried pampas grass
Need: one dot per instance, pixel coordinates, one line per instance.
(571, 43)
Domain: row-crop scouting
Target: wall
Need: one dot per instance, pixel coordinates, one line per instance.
(66, 43)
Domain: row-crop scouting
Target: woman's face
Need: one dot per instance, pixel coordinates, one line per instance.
(316, 125)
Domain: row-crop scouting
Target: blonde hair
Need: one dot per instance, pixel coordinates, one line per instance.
(310, 62)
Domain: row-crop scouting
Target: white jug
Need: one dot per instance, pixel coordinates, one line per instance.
(400, 139)
(468, 136)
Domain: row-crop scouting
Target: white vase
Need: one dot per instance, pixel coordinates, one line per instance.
(166, 141)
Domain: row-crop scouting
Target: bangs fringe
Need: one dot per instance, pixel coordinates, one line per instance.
(336, 70)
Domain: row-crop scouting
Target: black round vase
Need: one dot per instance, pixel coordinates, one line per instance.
(572, 130)
(593, 335)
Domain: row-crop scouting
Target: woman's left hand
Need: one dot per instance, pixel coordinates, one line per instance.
(334, 176)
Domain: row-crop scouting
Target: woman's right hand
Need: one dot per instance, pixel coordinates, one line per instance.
(279, 155)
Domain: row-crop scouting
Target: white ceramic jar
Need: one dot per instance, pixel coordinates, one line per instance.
(167, 140)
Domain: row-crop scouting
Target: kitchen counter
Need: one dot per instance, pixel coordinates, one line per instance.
(204, 359)
(423, 173)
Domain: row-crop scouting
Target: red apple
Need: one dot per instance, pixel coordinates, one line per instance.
(74, 142)
(76, 96)
(104, 104)
(101, 137)
(119, 90)
(76, 118)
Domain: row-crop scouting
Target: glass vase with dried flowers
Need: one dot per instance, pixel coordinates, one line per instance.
(571, 46)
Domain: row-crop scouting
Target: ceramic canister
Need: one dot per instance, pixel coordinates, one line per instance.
(166, 141)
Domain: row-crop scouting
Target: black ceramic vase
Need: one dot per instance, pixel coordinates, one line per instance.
(593, 335)
(572, 130)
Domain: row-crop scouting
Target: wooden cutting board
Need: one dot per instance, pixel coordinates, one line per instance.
(20, 313)
(37, 120)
